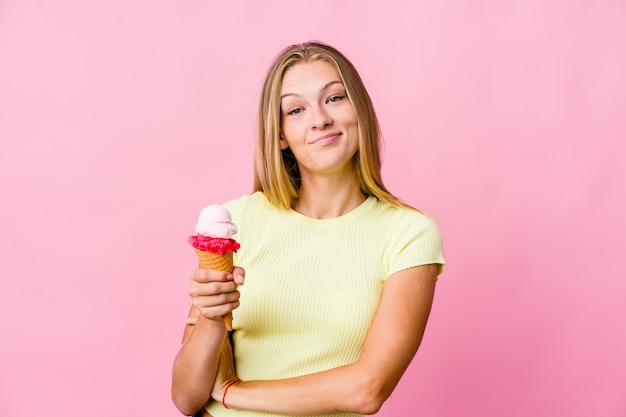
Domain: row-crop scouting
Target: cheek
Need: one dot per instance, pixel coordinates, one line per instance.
(291, 129)
(348, 115)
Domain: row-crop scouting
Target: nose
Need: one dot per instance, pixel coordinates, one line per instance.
(320, 118)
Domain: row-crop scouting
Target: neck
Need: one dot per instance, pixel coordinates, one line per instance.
(326, 199)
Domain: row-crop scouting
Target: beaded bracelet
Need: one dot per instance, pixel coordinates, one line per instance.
(233, 382)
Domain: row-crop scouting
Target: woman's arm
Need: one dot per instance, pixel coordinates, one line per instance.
(214, 294)
(362, 387)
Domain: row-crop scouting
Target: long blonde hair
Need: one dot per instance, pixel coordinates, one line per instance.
(276, 170)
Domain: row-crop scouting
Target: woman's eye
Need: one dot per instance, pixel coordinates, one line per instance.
(335, 99)
(295, 111)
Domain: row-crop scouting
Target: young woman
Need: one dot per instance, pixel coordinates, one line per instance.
(339, 273)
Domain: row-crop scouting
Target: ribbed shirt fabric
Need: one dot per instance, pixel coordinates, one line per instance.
(313, 285)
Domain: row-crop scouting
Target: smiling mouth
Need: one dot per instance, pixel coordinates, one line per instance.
(326, 139)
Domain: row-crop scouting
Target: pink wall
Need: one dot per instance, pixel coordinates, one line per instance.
(503, 119)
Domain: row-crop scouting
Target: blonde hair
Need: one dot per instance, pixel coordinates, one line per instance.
(276, 170)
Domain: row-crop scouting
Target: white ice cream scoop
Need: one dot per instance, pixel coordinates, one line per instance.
(215, 221)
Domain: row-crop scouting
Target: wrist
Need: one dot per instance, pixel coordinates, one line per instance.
(228, 386)
(207, 334)
(211, 324)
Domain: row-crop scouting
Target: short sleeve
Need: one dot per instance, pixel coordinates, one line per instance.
(236, 208)
(418, 241)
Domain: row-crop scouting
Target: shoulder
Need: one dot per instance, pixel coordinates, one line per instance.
(413, 237)
(403, 219)
(248, 209)
(247, 201)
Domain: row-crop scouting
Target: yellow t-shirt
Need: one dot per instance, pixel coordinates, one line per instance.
(313, 285)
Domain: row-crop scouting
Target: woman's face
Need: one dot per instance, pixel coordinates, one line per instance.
(319, 123)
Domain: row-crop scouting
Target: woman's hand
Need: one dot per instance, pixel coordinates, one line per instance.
(225, 371)
(214, 293)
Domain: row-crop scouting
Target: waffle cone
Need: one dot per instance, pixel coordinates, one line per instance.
(217, 262)
(210, 260)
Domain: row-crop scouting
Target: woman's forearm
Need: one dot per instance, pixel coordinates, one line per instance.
(362, 387)
(344, 389)
(195, 365)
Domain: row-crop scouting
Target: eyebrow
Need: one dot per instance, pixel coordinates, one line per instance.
(326, 86)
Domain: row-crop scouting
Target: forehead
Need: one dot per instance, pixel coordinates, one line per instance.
(308, 75)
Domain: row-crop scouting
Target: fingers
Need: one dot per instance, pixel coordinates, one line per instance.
(214, 293)
(197, 288)
(215, 300)
(212, 311)
(208, 275)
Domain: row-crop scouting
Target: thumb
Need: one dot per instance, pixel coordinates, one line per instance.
(239, 275)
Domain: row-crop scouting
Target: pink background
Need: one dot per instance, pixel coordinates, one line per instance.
(505, 120)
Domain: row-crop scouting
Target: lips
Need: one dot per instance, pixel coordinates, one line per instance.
(326, 139)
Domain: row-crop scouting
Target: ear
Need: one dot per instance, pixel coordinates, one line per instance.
(283, 143)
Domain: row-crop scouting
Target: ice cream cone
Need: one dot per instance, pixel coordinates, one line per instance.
(213, 243)
(217, 262)
(211, 260)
